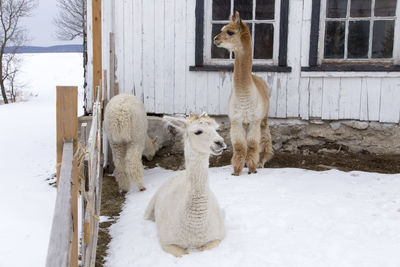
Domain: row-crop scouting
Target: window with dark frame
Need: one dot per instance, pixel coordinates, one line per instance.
(353, 35)
(268, 30)
(259, 15)
(359, 29)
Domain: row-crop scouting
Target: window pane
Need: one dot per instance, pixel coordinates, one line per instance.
(382, 41)
(385, 8)
(360, 8)
(265, 9)
(217, 52)
(336, 8)
(358, 40)
(221, 9)
(245, 8)
(264, 41)
(334, 39)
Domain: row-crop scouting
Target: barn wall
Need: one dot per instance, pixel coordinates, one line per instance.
(155, 45)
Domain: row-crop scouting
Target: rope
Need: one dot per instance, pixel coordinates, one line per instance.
(79, 157)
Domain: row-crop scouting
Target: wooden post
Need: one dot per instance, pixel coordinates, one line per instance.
(96, 27)
(67, 128)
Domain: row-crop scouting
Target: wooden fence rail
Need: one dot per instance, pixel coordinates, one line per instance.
(59, 249)
(63, 245)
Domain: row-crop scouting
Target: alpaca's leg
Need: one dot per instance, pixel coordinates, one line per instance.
(239, 147)
(175, 250)
(266, 152)
(253, 141)
(134, 166)
(210, 245)
(118, 153)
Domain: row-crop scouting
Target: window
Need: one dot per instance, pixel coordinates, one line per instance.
(259, 15)
(358, 33)
(358, 29)
(267, 21)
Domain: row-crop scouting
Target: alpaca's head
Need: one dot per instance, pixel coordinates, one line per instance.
(151, 147)
(234, 34)
(200, 133)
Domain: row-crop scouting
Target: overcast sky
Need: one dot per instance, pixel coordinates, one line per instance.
(41, 27)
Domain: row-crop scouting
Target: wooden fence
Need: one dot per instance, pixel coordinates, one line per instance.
(79, 168)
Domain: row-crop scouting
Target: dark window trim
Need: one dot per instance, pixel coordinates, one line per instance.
(357, 68)
(345, 66)
(256, 68)
(314, 33)
(283, 36)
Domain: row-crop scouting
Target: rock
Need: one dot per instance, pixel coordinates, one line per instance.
(360, 125)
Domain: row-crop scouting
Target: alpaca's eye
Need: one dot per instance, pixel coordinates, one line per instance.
(198, 132)
(230, 32)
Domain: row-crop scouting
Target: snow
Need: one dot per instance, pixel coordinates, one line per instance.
(278, 217)
(28, 157)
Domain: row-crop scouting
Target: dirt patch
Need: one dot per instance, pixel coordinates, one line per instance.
(316, 158)
(111, 206)
(330, 156)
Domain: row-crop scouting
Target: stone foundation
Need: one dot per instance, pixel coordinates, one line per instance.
(298, 136)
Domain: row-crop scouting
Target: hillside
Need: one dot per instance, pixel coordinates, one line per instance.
(50, 49)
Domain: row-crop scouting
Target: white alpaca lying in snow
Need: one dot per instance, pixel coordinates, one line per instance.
(125, 123)
(185, 210)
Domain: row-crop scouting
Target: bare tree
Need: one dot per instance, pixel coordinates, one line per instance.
(12, 35)
(70, 19)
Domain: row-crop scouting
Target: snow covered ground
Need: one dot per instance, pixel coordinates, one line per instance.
(28, 157)
(278, 217)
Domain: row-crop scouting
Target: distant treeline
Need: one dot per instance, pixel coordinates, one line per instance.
(49, 49)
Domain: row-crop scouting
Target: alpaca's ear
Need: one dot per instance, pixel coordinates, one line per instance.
(179, 123)
(235, 18)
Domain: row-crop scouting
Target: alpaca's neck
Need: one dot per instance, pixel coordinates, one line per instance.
(196, 173)
(243, 65)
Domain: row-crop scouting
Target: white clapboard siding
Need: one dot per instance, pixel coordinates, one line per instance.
(180, 57)
(364, 100)
(137, 49)
(273, 96)
(155, 47)
(373, 88)
(107, 8)
(149, 58)
(294, 59)
(119, 44)
(213, 87)
(305, 32)
(128, 44)
(315, 102)
(304, 98)
(201, 92)
(159, 56)
(349, 98)
(190, 86)
(390, 100)
(169, 56)
(330, 99)
(281, 88)
(226, 85)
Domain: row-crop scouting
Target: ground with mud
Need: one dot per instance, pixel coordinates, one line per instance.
(312, 158)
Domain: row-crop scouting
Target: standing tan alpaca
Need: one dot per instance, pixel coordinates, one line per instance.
(248, 103)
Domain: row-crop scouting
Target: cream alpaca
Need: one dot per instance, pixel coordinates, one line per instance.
(185, 210)
(248, 103)
(125, 123)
